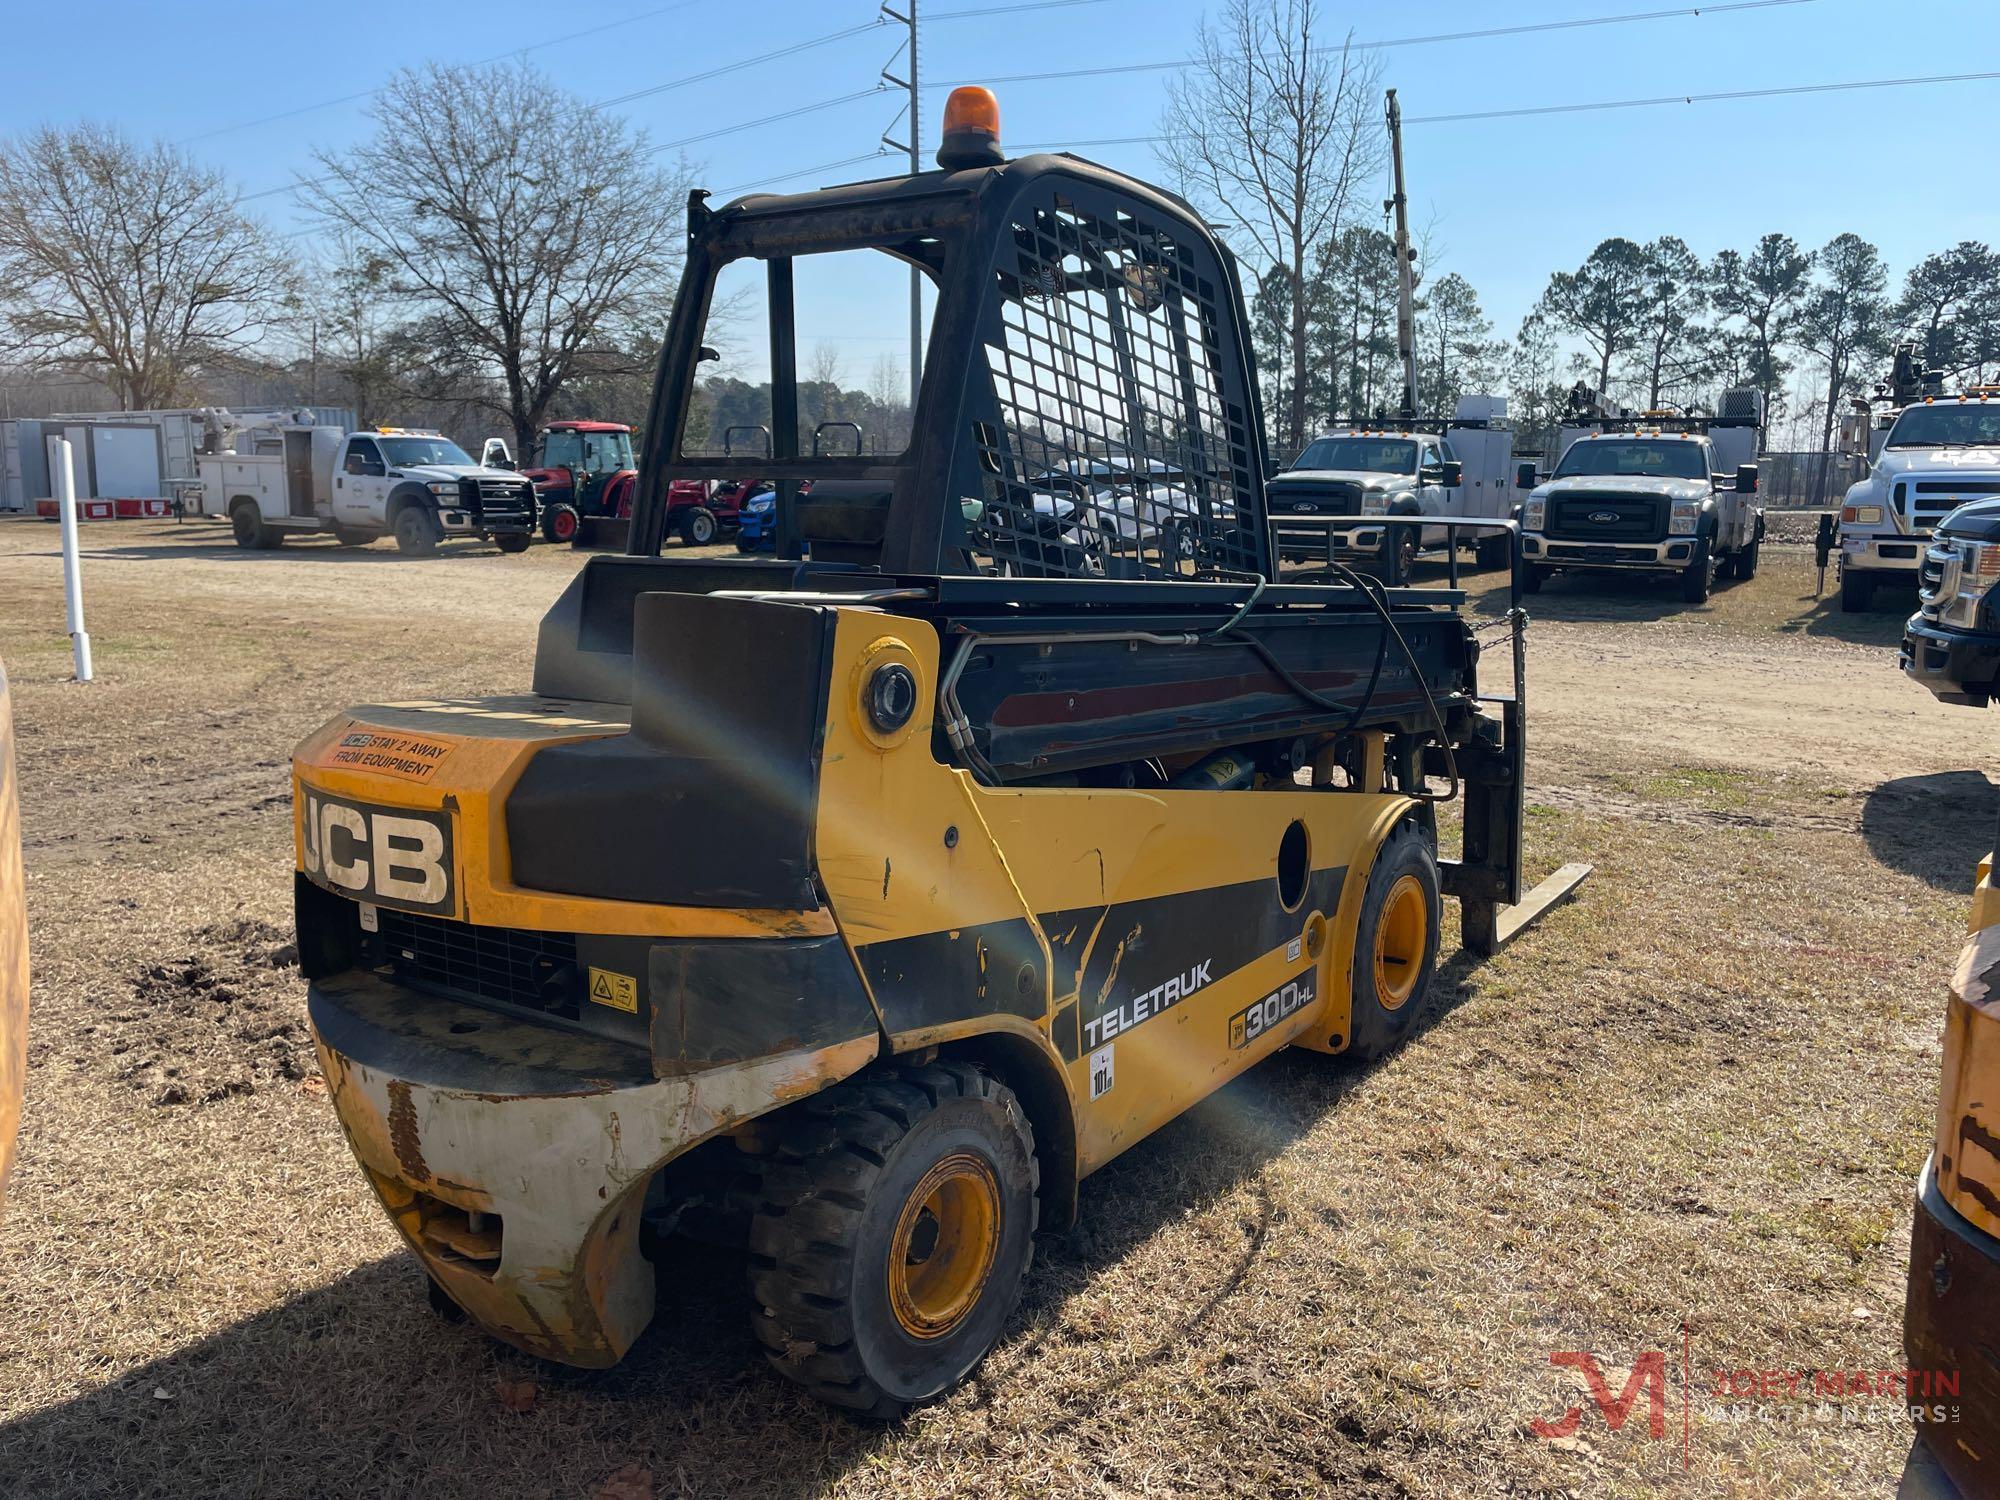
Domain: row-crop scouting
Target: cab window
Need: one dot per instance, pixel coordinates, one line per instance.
(562, 450)
(363, 457)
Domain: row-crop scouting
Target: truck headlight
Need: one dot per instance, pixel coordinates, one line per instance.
(1686, 516)
(1977, 576)
(1533, 514)
(1374, 503)
(1862, 515)
(442, 487)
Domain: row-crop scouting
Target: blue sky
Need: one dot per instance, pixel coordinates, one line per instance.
(1508, 200)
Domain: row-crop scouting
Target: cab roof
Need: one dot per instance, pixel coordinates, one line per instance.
(581, 426)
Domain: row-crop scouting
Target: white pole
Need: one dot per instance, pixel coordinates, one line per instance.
(79, 638)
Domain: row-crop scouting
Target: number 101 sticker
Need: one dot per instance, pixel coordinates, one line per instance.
(1100, 1071)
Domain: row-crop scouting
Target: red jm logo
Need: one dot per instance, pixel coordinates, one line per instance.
(1648, 1374)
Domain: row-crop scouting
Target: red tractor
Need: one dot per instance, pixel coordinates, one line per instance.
(585, 477)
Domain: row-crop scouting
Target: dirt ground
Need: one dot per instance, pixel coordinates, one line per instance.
(1683, 1116)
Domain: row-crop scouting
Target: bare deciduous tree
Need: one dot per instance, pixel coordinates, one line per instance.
(131, 263)
(530, 235)
(1278, 133)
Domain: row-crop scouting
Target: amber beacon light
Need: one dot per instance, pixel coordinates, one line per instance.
(971, 129)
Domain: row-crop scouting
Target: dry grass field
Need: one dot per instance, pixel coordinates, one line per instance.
(1696, 1099)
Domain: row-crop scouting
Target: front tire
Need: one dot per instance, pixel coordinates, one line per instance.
(1533, 576)
(513, 542)
(1698, 576)
(894, 1224)
(1494, 551)
(1857, 591)
(1399, 555)
(348, 536)
(1395, 946)
(416, 531)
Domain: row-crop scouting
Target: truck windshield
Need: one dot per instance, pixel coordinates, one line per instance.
(599, 452)
(1947, 427)
(1354, 455)
(1675, 458)
(408, 452)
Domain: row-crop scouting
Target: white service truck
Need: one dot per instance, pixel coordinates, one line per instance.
(1928, 454)
(1461, 469)
(1651, 493)
(414, 485)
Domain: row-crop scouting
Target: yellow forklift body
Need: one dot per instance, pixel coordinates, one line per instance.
(1045, 897)
(1953, 1303)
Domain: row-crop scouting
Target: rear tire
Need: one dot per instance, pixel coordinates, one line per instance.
(416, 531)
(698, 526)
(347, 536)
(1493, 551)
(1698, 576)
(1746, 560)
(559, 522)
(1395, 946)
(1857, 591)
(513, 542)
(246, 524)
(894, 1223)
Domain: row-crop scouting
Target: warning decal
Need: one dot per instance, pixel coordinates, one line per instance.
(1101, 1074)
(619, 991)
(410, 756)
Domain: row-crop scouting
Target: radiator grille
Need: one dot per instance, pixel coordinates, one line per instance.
(505, 965)
(1634, 518)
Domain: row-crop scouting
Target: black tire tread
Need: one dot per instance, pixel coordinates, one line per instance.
(815, 1185)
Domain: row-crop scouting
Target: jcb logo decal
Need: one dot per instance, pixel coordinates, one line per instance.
(1253, 1021)
(393, 856)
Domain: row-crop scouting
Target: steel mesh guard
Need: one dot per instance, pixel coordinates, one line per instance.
(1118, 448)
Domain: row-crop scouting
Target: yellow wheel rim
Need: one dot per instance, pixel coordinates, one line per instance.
(1400, 938)
(944, 1245)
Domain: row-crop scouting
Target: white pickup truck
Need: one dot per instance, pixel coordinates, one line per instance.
(1651, 494)
(1461, 470)
(416, 486)
(1932, 456)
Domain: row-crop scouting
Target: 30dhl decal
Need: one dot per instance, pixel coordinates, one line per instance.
(1289, 999)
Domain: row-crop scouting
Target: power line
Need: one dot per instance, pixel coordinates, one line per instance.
(825, 166)
(1484, 34)
(736, 67)
(658, 88)
(306, 109)
(1602, 104)
(1797, 88)
(803, 109)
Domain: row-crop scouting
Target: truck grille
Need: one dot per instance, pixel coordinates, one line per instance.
(502, 501)
(1633, 518)
(504, 965)
(1310, 497)
(1925, 502)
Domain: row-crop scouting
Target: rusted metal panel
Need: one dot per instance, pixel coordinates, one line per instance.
(13, 943)
(527, 1124)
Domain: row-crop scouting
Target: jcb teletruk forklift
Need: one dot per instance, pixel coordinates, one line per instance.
(860, 900)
